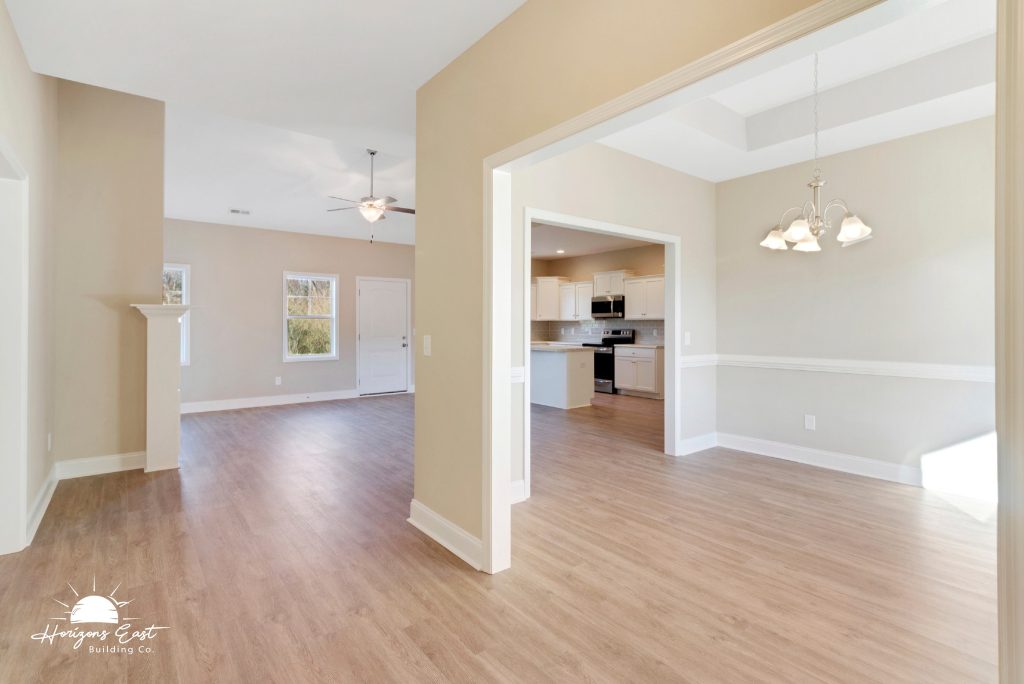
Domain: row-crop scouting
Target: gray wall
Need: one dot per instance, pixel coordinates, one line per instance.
(921, 291)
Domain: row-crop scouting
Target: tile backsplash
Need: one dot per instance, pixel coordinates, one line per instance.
(647, 332)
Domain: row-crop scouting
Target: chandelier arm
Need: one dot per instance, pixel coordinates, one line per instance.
(837, 202)
(786, 213)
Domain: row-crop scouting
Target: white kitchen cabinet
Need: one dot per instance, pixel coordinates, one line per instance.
(645, 298)
(547, 305)
(584, 293)
(610, 282)
(639, 369)
(574, 301)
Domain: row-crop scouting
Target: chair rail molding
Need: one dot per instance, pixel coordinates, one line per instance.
(163, 384)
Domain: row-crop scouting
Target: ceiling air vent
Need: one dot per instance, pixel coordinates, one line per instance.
(241, 212)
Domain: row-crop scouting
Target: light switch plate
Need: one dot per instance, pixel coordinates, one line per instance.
(426, 345)
(809, 422)
(686, 338)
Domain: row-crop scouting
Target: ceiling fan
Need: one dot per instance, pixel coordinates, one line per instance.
(372, 208)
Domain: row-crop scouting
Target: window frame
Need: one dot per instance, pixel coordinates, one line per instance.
(333, 355)
(186, 299)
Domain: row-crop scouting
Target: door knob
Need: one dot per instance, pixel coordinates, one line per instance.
(404, 345)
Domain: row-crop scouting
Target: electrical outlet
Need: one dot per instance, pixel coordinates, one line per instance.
(686, 338)
(49, 442)
(809, 422)
(426, 345)
(277, 380)
(562, 331)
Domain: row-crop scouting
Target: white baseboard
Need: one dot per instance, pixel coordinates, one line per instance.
(519, 491)
(270, 400)
(832, 460)
(100, 465)
(691, 445)
(447, 534)
(276, 400)
(41, 503)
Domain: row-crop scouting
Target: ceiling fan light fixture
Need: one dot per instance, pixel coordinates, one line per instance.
(853, 230)
(371, 212)
(775, 239)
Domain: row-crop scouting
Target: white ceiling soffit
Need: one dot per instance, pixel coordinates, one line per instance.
(546, 240)
(347, 71)
(931, 65)
(216, 163)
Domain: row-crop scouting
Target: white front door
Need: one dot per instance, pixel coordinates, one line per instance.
(383, 335)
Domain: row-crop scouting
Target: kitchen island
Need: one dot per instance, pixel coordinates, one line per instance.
(561, 375)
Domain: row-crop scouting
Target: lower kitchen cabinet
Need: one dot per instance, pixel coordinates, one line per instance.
(639, 369)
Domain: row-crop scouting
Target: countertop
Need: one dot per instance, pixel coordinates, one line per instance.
(648, 346)
(560, 347)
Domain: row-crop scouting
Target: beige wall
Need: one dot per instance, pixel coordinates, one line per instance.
(646, 260)
(921, 291)
(524, 77)
(108, 255)
(236, 290)
(28, 127)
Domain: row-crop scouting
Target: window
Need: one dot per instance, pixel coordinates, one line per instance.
(176, 291)
(310, 312)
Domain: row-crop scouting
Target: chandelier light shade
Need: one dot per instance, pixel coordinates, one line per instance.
(775, 239)
(812, 219)
(853, 230)
(808, 244)
(798, 230)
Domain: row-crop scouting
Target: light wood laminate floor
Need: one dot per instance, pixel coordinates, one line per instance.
(280, 552)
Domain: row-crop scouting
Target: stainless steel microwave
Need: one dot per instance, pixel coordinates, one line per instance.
(608, 306)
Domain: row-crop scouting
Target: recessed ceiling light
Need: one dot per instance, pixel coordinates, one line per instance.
(559, 251)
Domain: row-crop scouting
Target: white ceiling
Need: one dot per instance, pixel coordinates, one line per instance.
(216, 163)
(546, 240)
(344, 72)
(906, 67)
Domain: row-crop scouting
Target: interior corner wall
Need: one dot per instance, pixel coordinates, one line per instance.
(237, 318)
(108, 255)
(600, 183)
(28, 123)
(920, 291)
(526, 76)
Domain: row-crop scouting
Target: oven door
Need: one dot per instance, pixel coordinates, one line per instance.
(604, 370)
(608, 306)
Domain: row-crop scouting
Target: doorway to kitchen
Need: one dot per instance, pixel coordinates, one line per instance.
(600, 327)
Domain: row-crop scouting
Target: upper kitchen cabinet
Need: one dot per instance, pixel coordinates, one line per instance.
(610, 282)
(645, 298)
(574, 301)
(547, 306)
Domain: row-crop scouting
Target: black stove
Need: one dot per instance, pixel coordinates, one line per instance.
(604, 357)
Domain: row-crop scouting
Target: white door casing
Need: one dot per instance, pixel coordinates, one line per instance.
(14, 264)
(383, 335)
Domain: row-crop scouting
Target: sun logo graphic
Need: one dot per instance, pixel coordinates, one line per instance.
(86, 620)
(93, 607)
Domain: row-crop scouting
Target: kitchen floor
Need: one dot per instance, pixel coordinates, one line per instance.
(280, 551)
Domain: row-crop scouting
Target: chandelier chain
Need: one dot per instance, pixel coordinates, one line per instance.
(816, 119)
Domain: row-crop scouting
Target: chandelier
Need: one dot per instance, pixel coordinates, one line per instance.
(812, 220)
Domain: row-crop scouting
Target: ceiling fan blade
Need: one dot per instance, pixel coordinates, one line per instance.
(403, 210)
(342, 208)
(343, 199)
(389, 200)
